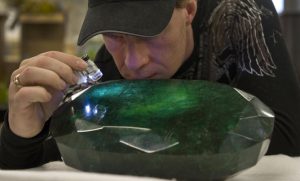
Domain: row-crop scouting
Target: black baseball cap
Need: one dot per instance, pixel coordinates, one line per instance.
(145, 18)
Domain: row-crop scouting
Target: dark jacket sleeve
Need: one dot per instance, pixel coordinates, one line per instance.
(280, 91)
(18, 153)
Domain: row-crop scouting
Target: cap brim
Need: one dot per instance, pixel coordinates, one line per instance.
(146, 18)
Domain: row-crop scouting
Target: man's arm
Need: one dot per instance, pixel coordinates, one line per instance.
(277, 86)
(41, 81)
(18, 153)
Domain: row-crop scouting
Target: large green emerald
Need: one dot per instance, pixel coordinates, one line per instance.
(180, 129)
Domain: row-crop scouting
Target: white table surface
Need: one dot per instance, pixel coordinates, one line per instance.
(269, 168)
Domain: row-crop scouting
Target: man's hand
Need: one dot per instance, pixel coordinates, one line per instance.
(38, 89)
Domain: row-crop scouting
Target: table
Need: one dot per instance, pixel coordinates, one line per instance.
(275, 168)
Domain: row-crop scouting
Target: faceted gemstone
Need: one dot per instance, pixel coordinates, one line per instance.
(184, 129)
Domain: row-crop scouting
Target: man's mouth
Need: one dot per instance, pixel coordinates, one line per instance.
(133, 76)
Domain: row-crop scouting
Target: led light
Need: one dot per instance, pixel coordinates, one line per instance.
(93, 72)
(91, 75)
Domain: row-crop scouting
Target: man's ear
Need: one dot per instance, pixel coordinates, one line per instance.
(191, 9)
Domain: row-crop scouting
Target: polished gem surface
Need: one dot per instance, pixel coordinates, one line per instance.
(185, 129)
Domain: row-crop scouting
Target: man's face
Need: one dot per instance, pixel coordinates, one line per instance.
(156, 57)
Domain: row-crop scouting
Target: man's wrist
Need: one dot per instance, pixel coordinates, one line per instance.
(8, 133)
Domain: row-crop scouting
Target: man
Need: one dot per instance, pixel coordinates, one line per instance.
(236, 42)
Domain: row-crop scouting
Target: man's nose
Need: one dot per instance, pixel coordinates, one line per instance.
(136, 55)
